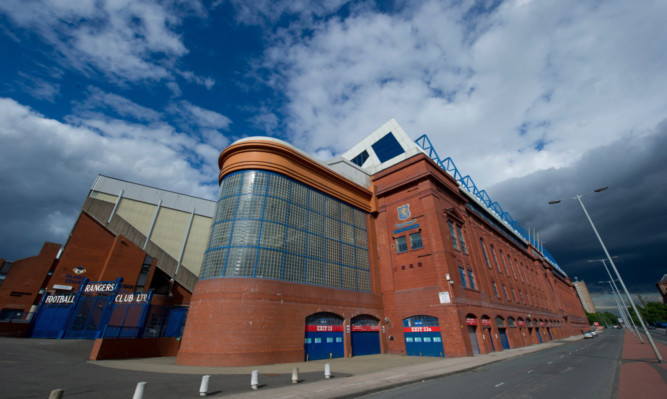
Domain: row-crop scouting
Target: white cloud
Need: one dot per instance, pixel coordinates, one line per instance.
(124, 39)
(529, 86)
(59, 161)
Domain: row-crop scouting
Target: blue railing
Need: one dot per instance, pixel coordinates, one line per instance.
(469, 185)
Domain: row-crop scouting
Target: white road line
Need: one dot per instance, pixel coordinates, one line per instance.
(530, 371)
(497, 385)
(549, 362)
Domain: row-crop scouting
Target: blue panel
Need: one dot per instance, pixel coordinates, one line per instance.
(539, 336)
(387, 147)
(365, 343)
(503, 338)
(424, 344)
(323, 345)
(360, 159)
(50, 321)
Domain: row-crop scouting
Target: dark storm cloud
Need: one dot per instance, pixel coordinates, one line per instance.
(631, 216)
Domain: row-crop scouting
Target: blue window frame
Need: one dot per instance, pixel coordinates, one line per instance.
(416, 240)
(461, 240)
(452, 234)
(401, 244)
(471, 279)
(360, 159)
(462, 274)
(486, 257)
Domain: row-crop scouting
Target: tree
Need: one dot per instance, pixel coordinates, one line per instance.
(652, 312)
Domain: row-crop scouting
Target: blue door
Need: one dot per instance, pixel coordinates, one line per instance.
(323, 337)
(50, 321)
(549, 332)
(365, 334)
(503, 338)
(422, 336)
(539, 336)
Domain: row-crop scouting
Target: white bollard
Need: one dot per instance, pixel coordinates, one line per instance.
(295, 375)
(139, 390)
(327, 371)
(203, 388)
(56, 394)
(254, 380)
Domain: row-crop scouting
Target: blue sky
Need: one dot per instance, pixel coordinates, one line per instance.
(536, 100)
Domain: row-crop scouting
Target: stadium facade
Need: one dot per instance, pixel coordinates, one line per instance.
(387, 249)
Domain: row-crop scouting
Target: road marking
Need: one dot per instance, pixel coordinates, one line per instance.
(530, 371)
(549, 362)
(562, 356)
(497, 385)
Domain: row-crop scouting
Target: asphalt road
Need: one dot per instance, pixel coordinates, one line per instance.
(32, 368)
(584, 369)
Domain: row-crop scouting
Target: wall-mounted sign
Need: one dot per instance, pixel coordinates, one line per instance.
(404, 212)
(131, 298)
(486, 322)
(100, 287)
(59, 299)
(421, 329)
(316, 328)
(365, 328)
(444, 297)
(471, 321)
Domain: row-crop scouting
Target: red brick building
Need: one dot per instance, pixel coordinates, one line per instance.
(382, 251)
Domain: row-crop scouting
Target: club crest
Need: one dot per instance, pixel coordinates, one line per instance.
(404, 212)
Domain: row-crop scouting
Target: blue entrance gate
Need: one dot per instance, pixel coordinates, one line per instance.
(422, 336)
(365, 334)
(503, 338)
(324, 336)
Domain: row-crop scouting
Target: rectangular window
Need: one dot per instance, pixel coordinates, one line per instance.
(495, 289)
(514, 295)
(493, 253)
(502, 259)
(471, 278)
(416, 240)
(507, 270)
(401, 244)
(463, 242)
(143, 273)
(521, 295)
(506, 294)
(452, 234)
(462, 274)
(486, 258)
(516, 266)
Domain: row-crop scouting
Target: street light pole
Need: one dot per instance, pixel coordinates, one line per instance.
(620, 280)
(625, 315)
(621, 311)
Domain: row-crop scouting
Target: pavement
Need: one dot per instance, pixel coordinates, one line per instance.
(640, 375)
(351, 377)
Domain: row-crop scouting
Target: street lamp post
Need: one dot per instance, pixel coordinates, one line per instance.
(622, 309)
(626, 315)
(611, 262)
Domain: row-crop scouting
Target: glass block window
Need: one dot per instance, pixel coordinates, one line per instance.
(269, 226)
